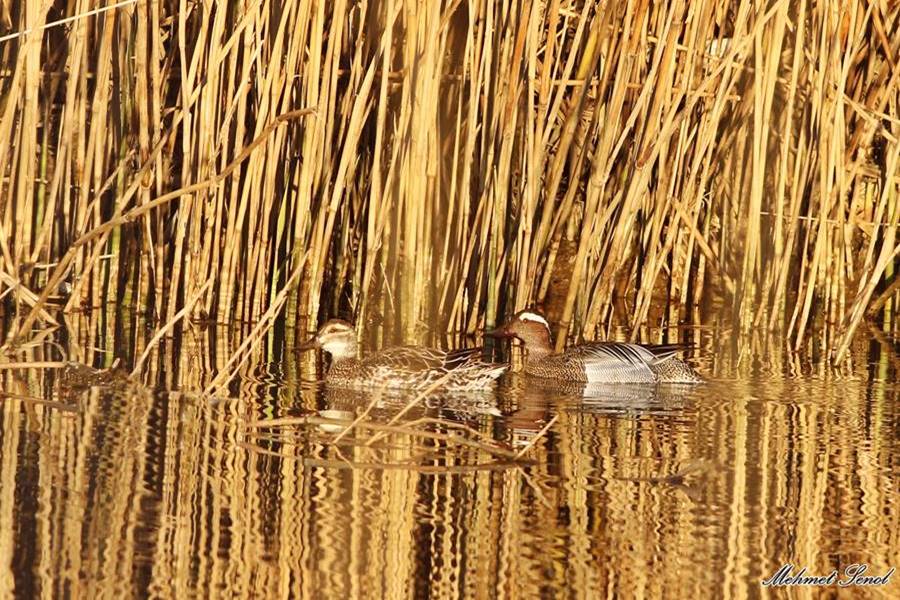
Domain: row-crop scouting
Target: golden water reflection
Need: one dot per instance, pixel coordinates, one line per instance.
(634, 492)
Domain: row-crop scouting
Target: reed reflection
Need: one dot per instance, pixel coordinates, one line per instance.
(282, 488)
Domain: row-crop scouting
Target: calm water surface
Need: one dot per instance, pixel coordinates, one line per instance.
(696, 492)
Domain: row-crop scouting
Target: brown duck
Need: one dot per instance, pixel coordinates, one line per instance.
(401, 367)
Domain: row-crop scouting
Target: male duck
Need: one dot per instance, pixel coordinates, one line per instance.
(594, 362)
(403, 367)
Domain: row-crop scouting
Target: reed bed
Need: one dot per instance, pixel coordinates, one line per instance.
(617, 163)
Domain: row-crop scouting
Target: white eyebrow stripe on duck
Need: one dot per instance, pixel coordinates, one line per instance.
(534, 318)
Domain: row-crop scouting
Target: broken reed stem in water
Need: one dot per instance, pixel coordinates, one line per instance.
(376, 398)
(32, 365)
(61, 406)
(618, 164)
(239, 356)
(384, 466)
(384, 429)
(167, 328)
(537, 436)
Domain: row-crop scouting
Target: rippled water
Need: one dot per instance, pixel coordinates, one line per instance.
(698, 491)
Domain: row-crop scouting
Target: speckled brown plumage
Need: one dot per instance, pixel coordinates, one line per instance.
(402, 367)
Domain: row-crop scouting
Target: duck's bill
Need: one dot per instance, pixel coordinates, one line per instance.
(310, 344)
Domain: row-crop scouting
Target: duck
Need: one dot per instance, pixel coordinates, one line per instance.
(593, 362)
(400, 367)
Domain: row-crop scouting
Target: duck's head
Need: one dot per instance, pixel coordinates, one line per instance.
(527, 325)
(337, 337)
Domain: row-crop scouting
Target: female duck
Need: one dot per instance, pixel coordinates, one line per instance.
(594, 362)
(409, 367)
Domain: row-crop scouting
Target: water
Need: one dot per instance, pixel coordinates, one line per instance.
(694, 492)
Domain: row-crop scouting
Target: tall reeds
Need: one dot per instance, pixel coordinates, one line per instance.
(617, 163)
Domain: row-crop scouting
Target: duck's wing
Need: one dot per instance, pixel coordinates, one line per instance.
(663, 352)
(454, 359)
(414, 366)
(614, 362)
(408, 358)
(471, 369)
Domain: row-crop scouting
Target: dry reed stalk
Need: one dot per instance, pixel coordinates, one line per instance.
(376, 398)
(537, 437)
(189, 305)
(621, 164)
(385, 466)
(253, 340)
(60, 406)
(31, 365)
(411, 428)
